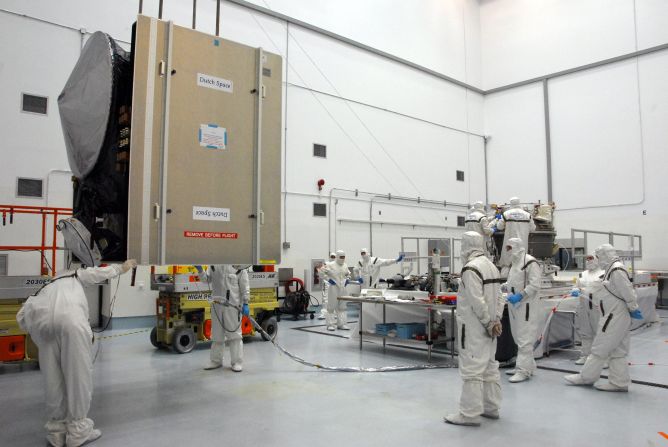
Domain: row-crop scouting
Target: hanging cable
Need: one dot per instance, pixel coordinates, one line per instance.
(329, 113)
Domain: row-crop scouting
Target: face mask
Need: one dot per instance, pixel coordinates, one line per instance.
(366, 256)
(590, 264)
(340, 261)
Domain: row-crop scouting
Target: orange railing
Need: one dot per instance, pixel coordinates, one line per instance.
(8, 212)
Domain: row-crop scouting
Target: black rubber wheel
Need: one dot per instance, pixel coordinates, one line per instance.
(184, 340)
(270, 326)
(312, 316)
(154, 338)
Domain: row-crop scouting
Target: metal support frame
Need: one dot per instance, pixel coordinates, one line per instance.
(450, 241)
(611, 239)
(257, 205)
(217, 18)
(45, 212)
(407, 201)
(548, 141)
(165, 144)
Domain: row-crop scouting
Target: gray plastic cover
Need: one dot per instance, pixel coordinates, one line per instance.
(85, 103)
(78, 240)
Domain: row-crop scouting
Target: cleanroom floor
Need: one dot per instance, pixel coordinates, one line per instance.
(146, 397)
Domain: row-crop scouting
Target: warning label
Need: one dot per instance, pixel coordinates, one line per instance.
(210, 235)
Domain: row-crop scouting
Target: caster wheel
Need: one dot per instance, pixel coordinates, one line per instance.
(184, 340)
(270, 326)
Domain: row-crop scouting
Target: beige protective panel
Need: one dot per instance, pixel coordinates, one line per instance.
(146, 138)
(270, 233)
(202, 179)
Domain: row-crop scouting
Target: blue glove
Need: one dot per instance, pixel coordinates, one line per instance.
(331, 281)
(514, 298)
(400, 258)
(575, 293)
(636, 314)
(245, 310)
(347, 282)
(499, 216)
(494, 230)
(360, 280)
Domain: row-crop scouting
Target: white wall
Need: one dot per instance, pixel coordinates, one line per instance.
(638, 173)
(516, 160)
(607, 124)
(523, 39)
(32, 145)
(442, 36)
(408, 137)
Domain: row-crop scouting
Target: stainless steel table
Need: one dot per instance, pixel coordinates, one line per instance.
(429, 307)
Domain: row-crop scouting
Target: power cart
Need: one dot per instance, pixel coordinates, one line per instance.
(183, 309)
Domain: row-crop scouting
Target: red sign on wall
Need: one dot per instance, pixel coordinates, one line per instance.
(210, 235)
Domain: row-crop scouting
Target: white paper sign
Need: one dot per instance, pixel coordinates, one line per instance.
(204, 80)
(212, 136)
(208, 213)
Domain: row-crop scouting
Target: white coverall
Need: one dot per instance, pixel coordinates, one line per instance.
(516, 223)
(57, 320)
(228, 282)
(478, 221)
(479, 302)
(589, 309)
(336, 310)
(368, 268)
(524, 277)
(611, 343)
(325, 287)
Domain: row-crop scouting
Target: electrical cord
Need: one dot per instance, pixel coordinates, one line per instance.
(361, 151)
(65, 222)
(112, 304)
(340, 368)
(317, 302)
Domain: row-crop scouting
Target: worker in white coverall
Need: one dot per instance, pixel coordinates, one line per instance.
(588, 289)
(522, 287)
(479, 310)
(367, 270)
(325, 287)
(229, 285)
(618, 306)
(516, 223)
(337, 275)
(478, 221)
(56, 318)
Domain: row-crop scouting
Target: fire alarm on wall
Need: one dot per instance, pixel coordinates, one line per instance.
(321, 183)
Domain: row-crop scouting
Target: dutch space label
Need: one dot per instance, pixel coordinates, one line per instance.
(208, 213)
(208, 81)
(211, 136)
